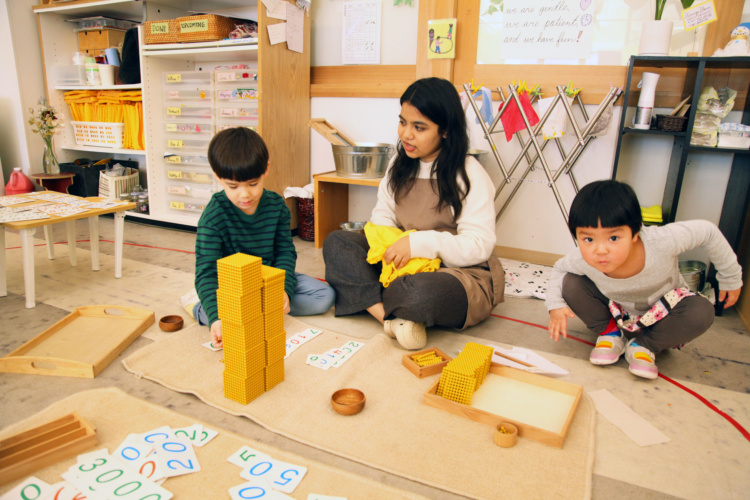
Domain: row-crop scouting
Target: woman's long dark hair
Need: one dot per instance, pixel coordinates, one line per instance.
(438, 100)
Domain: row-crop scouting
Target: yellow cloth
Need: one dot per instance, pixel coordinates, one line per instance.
(380, 238)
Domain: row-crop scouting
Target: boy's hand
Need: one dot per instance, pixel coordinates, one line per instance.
(287, 307)
(216, 334)
(558, 322)
(731, 297)
(399, 253)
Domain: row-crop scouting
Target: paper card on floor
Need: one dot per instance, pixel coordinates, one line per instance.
(110, 478)
(280, 475)
(541, 364)
(210, 345)
(134, 452)
(64, 491)
(633, 425)
(31, 487)
(257, 488)
(206, 435)
(151, 470)
(156, 435)
(192, 433)
(296, 340)
(350, 348)
(246, 456)
(92, 455)
(325, 360)
(176, 457)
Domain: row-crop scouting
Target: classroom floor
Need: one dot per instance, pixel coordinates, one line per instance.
(720, 359)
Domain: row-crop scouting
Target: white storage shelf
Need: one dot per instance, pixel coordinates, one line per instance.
(289, 75)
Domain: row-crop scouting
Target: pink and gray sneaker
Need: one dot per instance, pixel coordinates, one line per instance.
(609, 347)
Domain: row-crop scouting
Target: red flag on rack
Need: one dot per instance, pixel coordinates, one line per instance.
(512, 120)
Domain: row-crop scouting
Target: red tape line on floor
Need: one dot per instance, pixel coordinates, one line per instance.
(700, 398)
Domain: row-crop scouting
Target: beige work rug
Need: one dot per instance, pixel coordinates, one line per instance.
(116, 414)
(395, 432)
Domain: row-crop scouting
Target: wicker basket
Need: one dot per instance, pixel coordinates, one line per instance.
(160, 31)
(204, 28)
(670, 123)
(112, 187)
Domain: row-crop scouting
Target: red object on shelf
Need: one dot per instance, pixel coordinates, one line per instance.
(18, 183)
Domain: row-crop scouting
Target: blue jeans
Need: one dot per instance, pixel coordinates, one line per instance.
(311, 297)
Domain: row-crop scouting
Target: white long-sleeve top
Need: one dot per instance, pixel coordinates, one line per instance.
(475, 239)
(660, 273)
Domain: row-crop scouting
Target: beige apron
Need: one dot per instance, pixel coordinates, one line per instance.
(484, 283)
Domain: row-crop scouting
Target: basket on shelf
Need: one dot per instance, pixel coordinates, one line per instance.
(104, 134)
(204, 28)
(112, 187)
(164, 31)
(669, 123)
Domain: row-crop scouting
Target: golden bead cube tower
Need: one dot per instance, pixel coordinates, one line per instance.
(250, 299)
(464, 374)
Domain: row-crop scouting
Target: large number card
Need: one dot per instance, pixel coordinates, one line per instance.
(257, 488)
(32, 488)
(298, 339)
(109, 478)
(176, 456)
(246, 457)
(280, 475)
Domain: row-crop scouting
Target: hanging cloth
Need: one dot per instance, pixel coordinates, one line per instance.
(512, 120)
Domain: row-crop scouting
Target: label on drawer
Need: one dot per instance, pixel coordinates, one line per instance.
(174, 159)
(225, 77)
(194, 26)
(171, 127)
(175, 143)
(176, 189)
(173, 94)
(177, 205)
(225, 94)
(159, 28)
(200, 178)
(174, 174)
(174, 77)
(174, 110)
(227, 112)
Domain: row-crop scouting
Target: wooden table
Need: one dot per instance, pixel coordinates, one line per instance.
(332, 202)
(27, 229)
(55, 182)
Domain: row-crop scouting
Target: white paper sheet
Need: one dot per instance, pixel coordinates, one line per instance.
(295, 25)
(541, 365)
(361, 33)
(633, 425)
(277, 33)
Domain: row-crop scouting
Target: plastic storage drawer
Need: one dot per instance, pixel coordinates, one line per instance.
(236, 94)
(190, 128)
(177, 143)
(186, 93)
(248, 109)
(190, 160)
(182, 204)
(202, 192)
(225, 123)
(203, 78)
(188, 110)
(236, 75)
(193, 175)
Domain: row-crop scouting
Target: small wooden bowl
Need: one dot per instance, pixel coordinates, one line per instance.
(171, 323)
(506, 439)
(348, 401)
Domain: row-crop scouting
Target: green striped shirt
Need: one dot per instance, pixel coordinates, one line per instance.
(224, 230)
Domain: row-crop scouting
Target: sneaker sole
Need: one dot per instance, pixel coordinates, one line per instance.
(639, 372)
(604, 362)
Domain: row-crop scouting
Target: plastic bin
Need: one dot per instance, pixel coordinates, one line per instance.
(237, 93)
(230, 76)
(178, 144)
(112, 187)
(204, 78)
(188, 110)
(248, 109)
(198, 160)
(193, 175)
(186, 93)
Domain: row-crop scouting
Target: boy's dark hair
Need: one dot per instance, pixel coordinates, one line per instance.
(609, 203)
(238, 154)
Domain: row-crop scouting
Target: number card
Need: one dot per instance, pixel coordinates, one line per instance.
(350, 348)
(298, 339)
(280, 475)
(65, 491)
(139, 456)
(32, 488)
(246, 457)
(210, 345)
(176, 456)
(109, 478)
(156, 435)
(256, 488)
(206, 435)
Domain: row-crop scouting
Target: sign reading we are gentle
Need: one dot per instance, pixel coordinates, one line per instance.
(546, 29)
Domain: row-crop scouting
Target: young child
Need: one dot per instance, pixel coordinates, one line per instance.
(246, 218)
(434, 187)
(624, 279)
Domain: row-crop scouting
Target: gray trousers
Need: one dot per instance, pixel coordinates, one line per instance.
(430, 298)
(689, 318)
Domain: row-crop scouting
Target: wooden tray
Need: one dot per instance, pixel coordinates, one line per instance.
(332, 135)
(425, 371)
(81, 344)
(561, 404)
(36, 448)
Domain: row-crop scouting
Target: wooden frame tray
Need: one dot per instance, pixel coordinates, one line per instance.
(36, 448)
(566, 397)
(81, 344)
(425, 371)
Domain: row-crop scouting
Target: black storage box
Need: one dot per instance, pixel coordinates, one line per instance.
(86, 180)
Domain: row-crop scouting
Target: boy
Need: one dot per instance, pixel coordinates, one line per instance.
(246, 218)
(624, 278)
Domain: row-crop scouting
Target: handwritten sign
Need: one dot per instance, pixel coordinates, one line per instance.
(698, 15)
(547, 29)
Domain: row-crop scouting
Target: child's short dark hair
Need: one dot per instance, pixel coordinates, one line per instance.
(238, 154)
(609, 203)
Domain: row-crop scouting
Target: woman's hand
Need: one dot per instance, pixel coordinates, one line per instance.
(558, 322)
(399, 253)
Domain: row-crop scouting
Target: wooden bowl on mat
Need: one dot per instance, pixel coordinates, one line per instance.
(171, 323)
(348, 401)
(505, 435)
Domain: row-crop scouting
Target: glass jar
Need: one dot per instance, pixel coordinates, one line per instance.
(143, 203)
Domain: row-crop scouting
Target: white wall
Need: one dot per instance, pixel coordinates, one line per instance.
(533, 220)
(21, 86)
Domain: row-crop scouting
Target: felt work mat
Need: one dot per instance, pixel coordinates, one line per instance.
(395, 432)
(115, 414)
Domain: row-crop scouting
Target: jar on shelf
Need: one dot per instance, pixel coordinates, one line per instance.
(143, 203)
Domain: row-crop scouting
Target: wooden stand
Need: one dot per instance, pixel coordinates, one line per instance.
(34, 449)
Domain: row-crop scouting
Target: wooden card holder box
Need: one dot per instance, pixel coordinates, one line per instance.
(81, 344)
(34, 449)
(425, 371)
(571, 392)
